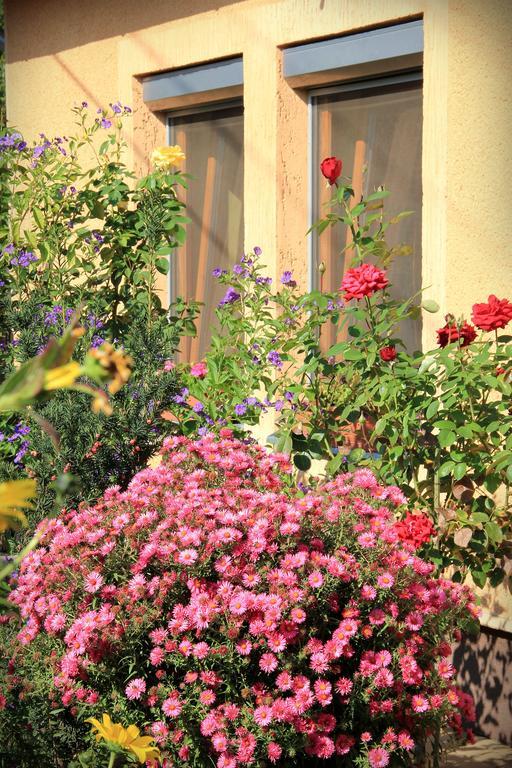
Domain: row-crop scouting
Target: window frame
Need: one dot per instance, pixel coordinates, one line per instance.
(373, 83)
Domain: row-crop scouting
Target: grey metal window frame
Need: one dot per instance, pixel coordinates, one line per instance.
(373, 84)
(391, 48)
(192, 81)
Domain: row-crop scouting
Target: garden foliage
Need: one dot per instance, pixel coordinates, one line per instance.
(80, 234)
(437, 423)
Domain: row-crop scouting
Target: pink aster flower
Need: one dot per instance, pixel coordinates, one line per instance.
(405, 741)
(187, 556)
(385, 580)
(419, 703)
(135, 688)
(315, 579)
(172, 707)
(378, 757)
(93, 582)
(263, 715)
(274, 751)
(268, 662)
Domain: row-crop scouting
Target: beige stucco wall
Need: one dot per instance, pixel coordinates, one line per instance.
(60, 53)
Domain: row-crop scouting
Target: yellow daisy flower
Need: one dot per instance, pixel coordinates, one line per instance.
(13, 496)
(128, 738)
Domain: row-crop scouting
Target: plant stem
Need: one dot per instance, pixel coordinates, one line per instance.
(112, 760)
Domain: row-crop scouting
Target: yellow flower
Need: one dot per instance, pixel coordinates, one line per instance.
(116, 365)
(13, 495)
(62, 376)
(128, 738)
(165, 157)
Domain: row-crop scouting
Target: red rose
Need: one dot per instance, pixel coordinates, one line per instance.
(331, 169)
(363, 281)
(415, 529)
(388, 354)
(451, 332)
(497, 313)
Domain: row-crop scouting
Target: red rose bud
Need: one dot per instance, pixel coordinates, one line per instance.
(497, 313)
(331, 169)
(388, 354)
(451, 332)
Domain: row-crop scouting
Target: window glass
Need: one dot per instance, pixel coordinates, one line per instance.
(213, 144)
(376, 131)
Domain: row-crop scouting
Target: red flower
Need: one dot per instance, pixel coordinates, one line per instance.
(363, 281)
(331, 169)
(387, 354)
(451, 332)
(497, 313)
(415, 529)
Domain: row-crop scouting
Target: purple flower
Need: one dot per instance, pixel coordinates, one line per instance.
(84, 105)
(287, 279)
(279, 405)
(198, 407)
(217, 272)
(105, 123)
(240, 409)
(127, 109)
(239, 270)
(275, 358)
(9, 248)
(21, 452)
(263, 281)
(97, 341)
(288, 396)
(251, 400)
(117, 108)
(24, 259)
(257, 250)
(53, 316)
(229, 297)
(182, 397)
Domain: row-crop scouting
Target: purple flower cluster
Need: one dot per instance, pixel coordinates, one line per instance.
(12, 141)
(23, 259)
(275, 358)
(57, 314)
(20, 431)
(229, 297)
(287, 279)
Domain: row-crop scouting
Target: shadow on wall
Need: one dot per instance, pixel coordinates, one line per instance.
(78, 23)
(484, 669)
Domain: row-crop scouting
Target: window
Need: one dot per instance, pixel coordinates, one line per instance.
(376, 128)
(212, 139)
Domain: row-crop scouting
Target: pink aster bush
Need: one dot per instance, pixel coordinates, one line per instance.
(238, 620)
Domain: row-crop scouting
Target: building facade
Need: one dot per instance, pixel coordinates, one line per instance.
(413, 94)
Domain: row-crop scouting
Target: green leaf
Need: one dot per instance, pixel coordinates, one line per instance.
(446, 438)
(494, 532)
(162, 266)
(337, 349)
(459, 471)
(38, 216)
(432, 409)
(302, 461)
(429, 305)
(446, 468)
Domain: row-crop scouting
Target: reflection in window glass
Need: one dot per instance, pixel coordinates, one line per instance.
(377, 134)
(213, 144)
